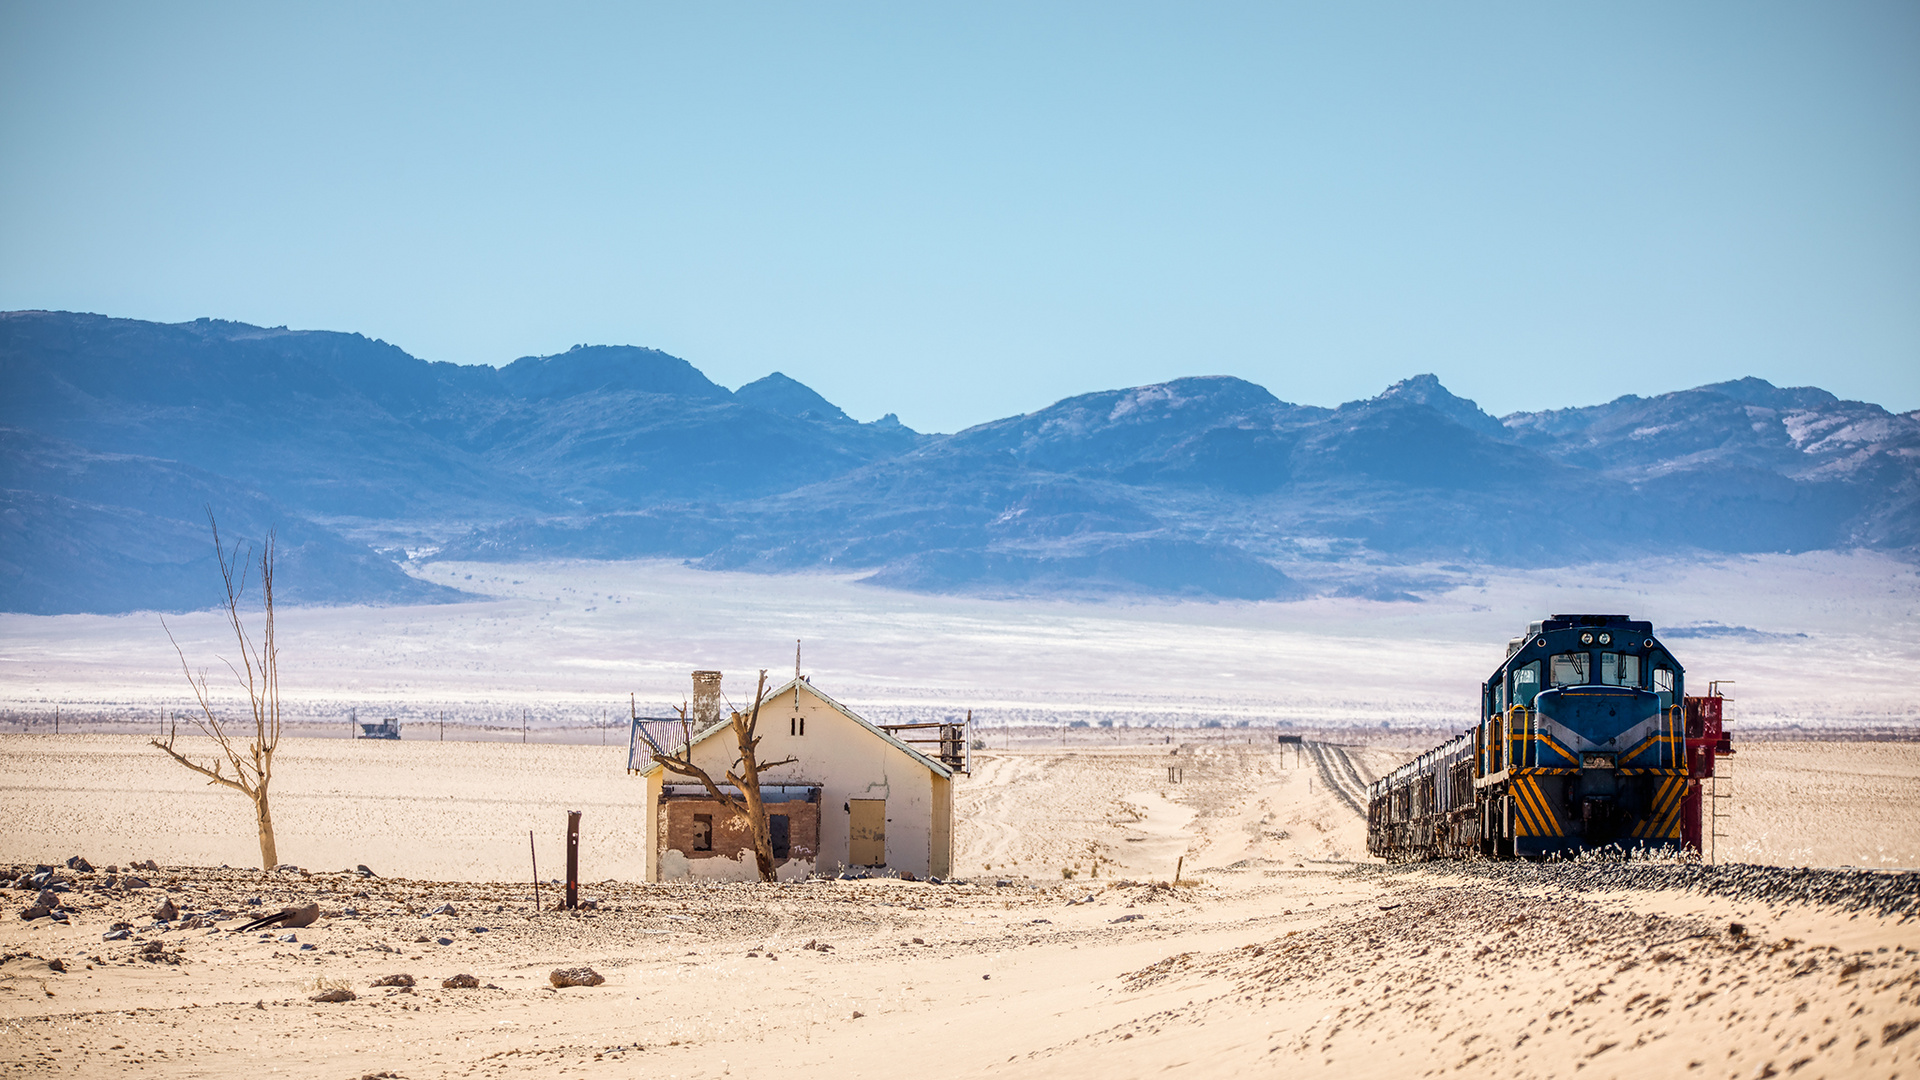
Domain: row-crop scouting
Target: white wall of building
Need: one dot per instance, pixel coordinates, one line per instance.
(847, 761)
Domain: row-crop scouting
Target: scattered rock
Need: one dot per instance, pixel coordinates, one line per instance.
(363, 871)
(148, 865)
(48, 899)
(443, 909)
(857, 1014)
(130, 883)
(57, 965)
(580, 976)
(253, 901)
(443, 941)
(80, 864)
(121, 926)
(340, 994)
(37, 911)
(166, 912)
(290, 939)
(460, 982)
(394, 980)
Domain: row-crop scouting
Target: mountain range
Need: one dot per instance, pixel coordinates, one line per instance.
(119, 434)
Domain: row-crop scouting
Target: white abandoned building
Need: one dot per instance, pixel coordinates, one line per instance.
(856, 795)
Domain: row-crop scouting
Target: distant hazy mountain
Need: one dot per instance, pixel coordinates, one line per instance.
(117, 432)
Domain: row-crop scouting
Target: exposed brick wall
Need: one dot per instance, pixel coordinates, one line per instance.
(730, 833)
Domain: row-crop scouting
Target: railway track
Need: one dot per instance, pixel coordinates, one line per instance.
(1337, 771)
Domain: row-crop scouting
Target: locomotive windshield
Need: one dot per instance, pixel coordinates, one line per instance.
(1619, 669)
(1570, 669)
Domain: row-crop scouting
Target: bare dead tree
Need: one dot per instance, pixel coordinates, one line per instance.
(258, 673)
(744, 776)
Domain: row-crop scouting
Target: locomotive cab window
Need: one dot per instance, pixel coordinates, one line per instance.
(1619, 669)
(1526, 683)
(1663, 685)
(1570, 668)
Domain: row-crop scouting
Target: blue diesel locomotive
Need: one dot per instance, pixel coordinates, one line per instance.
(1586, 740)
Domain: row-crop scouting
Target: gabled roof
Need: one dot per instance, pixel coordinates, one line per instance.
(932, 765)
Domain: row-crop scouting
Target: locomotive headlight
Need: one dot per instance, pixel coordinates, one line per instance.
(1586, 639)
(1606, 639)
(1647, 644)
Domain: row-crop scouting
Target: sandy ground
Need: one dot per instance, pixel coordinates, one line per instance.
(1282, 950)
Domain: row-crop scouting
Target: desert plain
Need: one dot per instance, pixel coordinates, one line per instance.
(1106, 917)
(1064, 945)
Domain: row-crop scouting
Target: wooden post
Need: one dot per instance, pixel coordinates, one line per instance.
(532, 851)
(1177, 867)
(573, 859)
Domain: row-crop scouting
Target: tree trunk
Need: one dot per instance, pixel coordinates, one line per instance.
(756, 810)
(269, 854)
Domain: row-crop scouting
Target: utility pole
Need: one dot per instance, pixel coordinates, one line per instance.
(525, 715)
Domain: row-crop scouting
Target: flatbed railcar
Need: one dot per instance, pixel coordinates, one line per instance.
(1586, 740)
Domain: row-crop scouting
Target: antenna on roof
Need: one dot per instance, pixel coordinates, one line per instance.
(796, 659)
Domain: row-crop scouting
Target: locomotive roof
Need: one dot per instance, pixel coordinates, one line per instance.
(1625, 624)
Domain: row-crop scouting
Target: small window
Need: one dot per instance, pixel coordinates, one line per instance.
(1570, 668)
(780, 831)
(1662, 680)
(1526, 683)
(797, 725)
(703, 832)
(1619, 669)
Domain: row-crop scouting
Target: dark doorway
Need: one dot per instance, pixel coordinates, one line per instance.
(780, 833)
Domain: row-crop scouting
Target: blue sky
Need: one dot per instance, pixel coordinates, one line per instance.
(962, 212)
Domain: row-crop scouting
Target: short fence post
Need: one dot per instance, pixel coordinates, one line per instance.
(573, 859)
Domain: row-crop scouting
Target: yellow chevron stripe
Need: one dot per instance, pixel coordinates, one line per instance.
(1665, 802)
(1540, 812)
(1525, 825)
(1558, 749)
(1670, 825)
(1652, 820)
(1669, 797)
(1550, 825)
(1651, 740)
(1528, 826)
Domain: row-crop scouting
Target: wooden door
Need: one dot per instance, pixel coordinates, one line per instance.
(867, 832)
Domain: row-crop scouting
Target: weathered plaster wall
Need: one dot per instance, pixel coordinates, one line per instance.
(846, 761)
